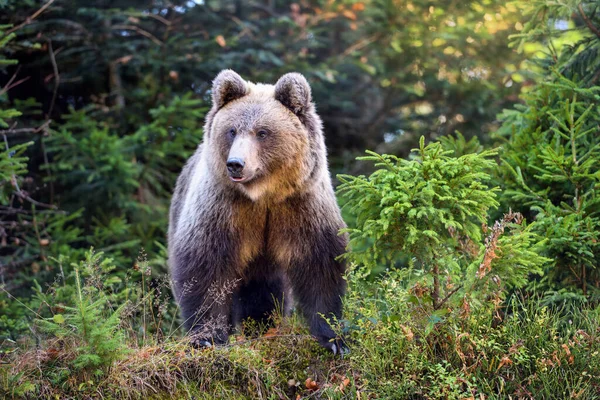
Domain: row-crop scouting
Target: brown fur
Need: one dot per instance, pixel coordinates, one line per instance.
(273, 235)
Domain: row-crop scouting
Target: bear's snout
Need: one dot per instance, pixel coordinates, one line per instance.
(242, 160)
(236, 171)
(235, 166)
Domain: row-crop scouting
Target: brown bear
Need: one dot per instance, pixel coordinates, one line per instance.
(254, 220)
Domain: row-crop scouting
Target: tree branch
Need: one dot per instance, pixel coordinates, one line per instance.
(8, 86)
(140, 31)
(56, 78)
(4, 210)
(16, 132)
(30, 19)
(441, 303)
(158, 18)
(20, 263)
(360, 44)
(587, 21)
(22, 195)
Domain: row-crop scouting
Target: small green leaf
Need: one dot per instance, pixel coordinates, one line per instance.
(59, 319)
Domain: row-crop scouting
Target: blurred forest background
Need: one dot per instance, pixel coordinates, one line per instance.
(101, 103)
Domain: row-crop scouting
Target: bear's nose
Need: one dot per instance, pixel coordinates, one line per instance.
(235, 166)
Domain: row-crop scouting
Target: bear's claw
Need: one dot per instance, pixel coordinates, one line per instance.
(337, 347)
(201, 343)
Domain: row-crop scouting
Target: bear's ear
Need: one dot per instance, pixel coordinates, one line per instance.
(227, 86)
(293, 91)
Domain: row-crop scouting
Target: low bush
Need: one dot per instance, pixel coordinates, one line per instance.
(399, 349)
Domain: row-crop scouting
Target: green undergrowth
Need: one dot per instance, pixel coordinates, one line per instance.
(85, 346)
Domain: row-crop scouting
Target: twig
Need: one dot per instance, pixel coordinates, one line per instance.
(69, 23)
(30, 19)
(587, 21)
(436, 286)
(158, 18)
(245, 30)
(595, 78)
(115, 83)
(48, 170)
(19, 263)
(15, 298)
(56, 78)
(140, 31)
(13, 178)
(24, 196)
(360, 44)
(12, 78)
(17, 83)
(49, 115)
(441, 303)
(37, 235)
(11, 211)
(15, 132)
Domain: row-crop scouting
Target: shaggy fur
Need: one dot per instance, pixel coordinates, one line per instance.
(236, 250)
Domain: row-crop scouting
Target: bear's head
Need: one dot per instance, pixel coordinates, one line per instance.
(263, 140)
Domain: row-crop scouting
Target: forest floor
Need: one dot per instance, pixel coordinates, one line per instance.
(400, 349)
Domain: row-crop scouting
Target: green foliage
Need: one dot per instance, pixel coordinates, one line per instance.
(4, 39)
(459, 145)
(89, 158)
(571, 36)
(22, 226)
(551, 149)
(511, 351)
(444, 66)
(109, 101)
(113, 96)
(122, 184)
(13, 163)
(525, 350)
(515, 258)
(550, 171)
(431, 209)
(441, 74)
(89, 322)
(415, 205)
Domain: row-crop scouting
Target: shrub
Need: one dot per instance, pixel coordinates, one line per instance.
(431, 209)
(89, 321)
(396, 352)
(533, 351)
(550, 171)
(550, 146)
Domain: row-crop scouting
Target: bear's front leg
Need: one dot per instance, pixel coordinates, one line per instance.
(318, 285)
(204, 291)
(208, 313)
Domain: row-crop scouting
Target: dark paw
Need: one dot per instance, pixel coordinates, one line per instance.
(336, 345)
(202, 342)
(199, 343)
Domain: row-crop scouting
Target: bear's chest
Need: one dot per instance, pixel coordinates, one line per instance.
(274, 232)
(285, 233)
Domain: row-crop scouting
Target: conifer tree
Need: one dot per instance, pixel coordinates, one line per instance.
(551, 147)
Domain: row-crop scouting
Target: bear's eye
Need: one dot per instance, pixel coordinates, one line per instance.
(262, 134)
(232, 132)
